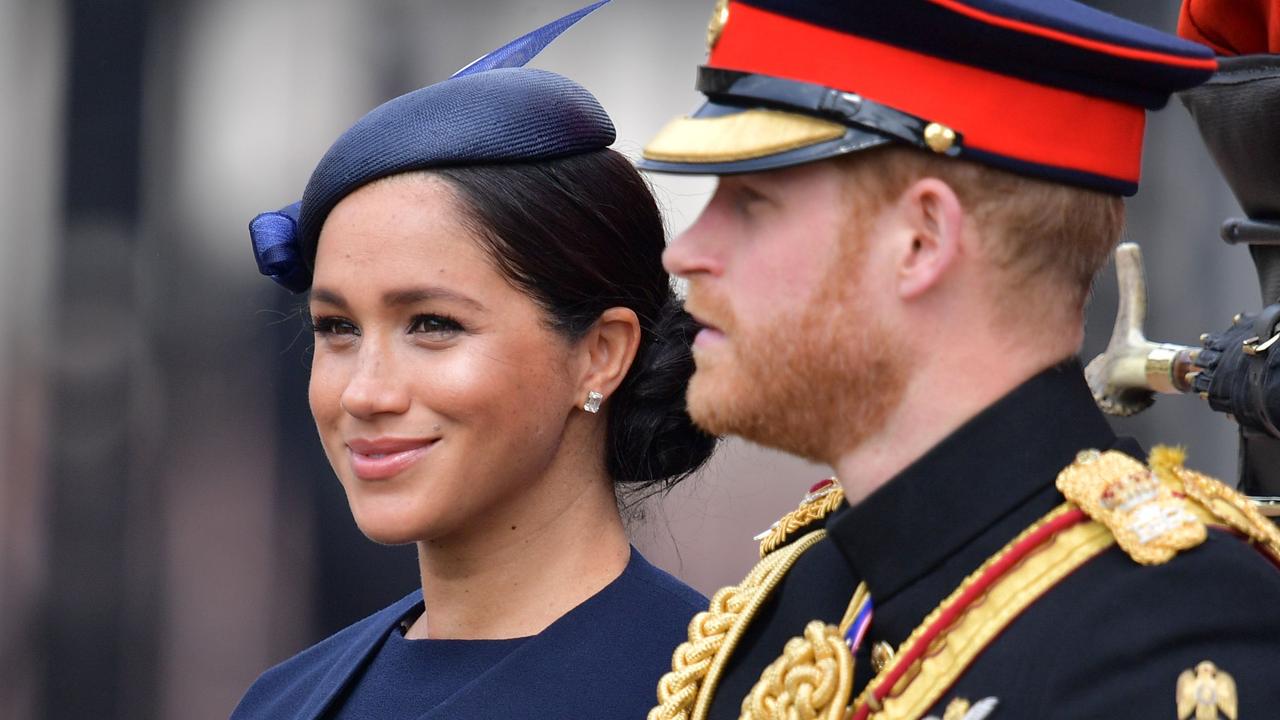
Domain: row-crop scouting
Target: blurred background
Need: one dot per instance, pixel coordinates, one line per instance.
(168, 524)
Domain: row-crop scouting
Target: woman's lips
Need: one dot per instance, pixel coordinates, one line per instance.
(382, 459)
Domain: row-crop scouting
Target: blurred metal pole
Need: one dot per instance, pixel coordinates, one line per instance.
(31, 59)
(100, 642)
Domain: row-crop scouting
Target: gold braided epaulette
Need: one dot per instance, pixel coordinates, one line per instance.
(821, 500)
(1156, 511)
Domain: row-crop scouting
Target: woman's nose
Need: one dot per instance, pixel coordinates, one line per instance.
(375, 387)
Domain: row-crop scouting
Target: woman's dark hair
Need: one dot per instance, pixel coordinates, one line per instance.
(580, 235)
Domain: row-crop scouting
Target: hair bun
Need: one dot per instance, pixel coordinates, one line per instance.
(654, 443)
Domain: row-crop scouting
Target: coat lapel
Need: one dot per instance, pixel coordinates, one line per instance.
(366, 638)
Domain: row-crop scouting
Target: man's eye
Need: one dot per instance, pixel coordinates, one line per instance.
(745, 199)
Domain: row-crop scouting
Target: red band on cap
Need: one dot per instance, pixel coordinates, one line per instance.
(996, 113)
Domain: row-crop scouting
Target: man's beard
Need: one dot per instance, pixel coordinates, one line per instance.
(815, 382)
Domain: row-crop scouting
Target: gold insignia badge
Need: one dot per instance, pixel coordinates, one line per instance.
(960, 709)
(719, 17)
(821, 500)
(1202, 692)
(1146, 519)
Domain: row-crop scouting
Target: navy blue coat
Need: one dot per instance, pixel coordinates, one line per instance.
(601, 660)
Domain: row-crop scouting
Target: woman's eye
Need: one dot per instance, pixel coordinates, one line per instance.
(436, 326)
(333, 326)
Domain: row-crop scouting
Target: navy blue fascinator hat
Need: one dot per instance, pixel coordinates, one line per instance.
(492, 111)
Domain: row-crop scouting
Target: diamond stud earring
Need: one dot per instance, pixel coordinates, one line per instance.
(592, 405)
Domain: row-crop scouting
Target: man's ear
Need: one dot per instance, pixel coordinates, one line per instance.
(609, 349)
(932, 220)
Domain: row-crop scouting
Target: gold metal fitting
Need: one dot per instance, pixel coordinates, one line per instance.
(939, 137)
(881, 655)
(1256, 346)
(719, 16)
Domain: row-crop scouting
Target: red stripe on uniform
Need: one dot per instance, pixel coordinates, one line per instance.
(995, 113)
(1106, 48)
(976, 590)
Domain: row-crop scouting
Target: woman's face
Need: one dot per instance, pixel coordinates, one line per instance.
(440, 394)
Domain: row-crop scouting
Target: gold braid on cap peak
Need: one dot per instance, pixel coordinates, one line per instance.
(685, 692)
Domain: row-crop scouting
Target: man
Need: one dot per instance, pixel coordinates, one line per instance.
(914, 199)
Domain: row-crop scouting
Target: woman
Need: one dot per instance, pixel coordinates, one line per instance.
(498, 359)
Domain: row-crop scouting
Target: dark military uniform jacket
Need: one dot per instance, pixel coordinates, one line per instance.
(1109, 640)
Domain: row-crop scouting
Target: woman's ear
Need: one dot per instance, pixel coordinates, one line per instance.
(609, 348)
(932, 218)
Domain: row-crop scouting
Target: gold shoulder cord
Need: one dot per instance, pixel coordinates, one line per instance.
(814, 676)
(1225, 506)
(685, 693)
(951, 653)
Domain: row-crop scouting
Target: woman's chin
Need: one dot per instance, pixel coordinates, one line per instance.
(386, 537)
(391, 530)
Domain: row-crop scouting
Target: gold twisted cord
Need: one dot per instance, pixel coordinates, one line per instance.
(810, 510)
(812, 680)
(678, 689)
(697, 663)
(801, 683)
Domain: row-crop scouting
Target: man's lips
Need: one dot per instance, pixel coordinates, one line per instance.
(708, 335)
(382, 458)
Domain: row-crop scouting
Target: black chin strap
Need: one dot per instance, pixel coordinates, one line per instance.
(747, 89)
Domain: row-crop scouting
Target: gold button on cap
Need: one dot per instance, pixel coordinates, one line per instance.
(939, 137)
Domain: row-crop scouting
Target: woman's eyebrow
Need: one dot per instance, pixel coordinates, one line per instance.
(411, 296)
(329, 297)
(399, 297)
